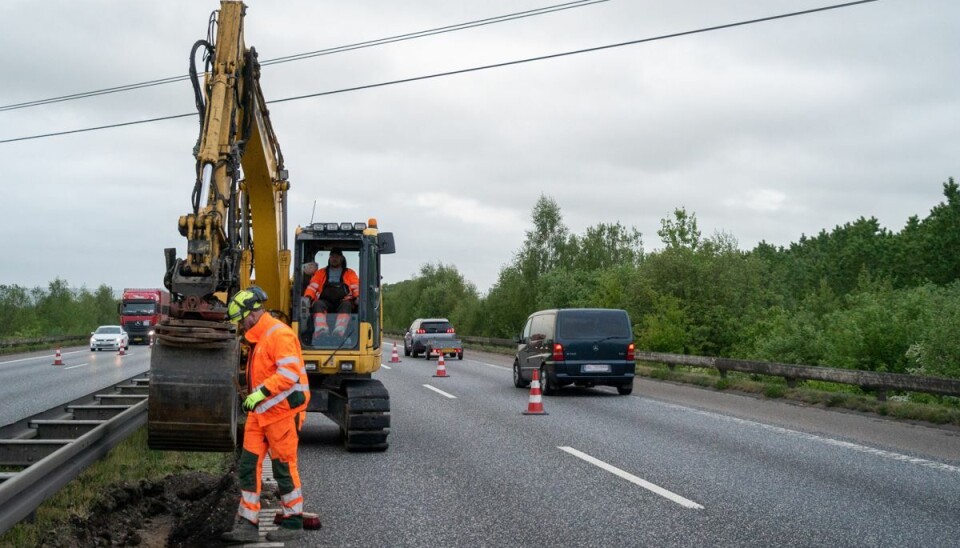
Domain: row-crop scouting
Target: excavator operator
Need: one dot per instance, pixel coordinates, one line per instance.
(333, 288)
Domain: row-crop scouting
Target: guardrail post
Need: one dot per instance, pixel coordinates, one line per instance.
(791, 382)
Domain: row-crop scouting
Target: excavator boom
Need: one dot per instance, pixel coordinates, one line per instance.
(239, 198)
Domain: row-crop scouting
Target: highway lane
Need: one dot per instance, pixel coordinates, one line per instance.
(602, 469)
(29, 383)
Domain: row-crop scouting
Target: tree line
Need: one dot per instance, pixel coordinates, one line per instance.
(858, 296)
(54, 310)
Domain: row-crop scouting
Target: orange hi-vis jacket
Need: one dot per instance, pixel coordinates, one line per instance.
(350, 279)
(276, 363)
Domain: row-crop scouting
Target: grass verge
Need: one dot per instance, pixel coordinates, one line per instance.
(908, 406)
(129, 461)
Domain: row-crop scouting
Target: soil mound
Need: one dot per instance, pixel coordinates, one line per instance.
(189, 509)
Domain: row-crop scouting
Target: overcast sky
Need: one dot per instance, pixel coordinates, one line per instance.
(767, 131)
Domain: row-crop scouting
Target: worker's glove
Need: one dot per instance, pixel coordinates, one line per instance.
(253, 399)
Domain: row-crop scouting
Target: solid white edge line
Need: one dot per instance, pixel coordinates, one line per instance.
(687, 503)
(820, 439)
(44, 357)
(441, 392)
(385, 366)
(75, 366)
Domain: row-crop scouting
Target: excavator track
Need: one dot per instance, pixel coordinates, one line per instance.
(193, 403)
(362, 409)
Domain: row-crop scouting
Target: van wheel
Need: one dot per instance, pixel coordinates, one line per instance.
(406, 351)
(426, 353)
(459, 355)
(517, 378)
(546, 387)
(625, 389)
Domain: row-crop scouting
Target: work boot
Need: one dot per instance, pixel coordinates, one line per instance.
(290, 529)
(243, 531)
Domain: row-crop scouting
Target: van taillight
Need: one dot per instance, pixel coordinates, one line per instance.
(630, 357)
(421, 331)
(558, 352)
(451, 330)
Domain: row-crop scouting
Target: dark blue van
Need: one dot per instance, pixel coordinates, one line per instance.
(581, 346)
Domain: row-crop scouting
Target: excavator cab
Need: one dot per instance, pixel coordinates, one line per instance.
(339, 326)
(340, 362)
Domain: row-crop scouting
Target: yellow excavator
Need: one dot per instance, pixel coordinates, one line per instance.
(237, 237)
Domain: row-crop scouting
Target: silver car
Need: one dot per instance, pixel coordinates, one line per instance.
(424, 330)
(109, 337)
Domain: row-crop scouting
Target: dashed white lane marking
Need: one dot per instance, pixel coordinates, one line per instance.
(494, 365)
(687, 503)
(820, 439)
(75, 366)
(441, 392)
(385, 366)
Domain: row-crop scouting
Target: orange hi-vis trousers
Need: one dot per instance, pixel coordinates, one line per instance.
(281, 439)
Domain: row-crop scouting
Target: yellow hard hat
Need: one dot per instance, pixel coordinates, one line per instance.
(245, 302)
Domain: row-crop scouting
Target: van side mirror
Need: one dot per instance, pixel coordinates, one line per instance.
(518, 339)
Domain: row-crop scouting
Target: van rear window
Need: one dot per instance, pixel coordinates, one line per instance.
(593, 324)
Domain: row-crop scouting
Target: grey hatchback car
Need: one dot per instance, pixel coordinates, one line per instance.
(423, 330)
(581, 346)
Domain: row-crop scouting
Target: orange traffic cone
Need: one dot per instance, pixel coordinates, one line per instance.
(394, 357)
(535, 405)
(441, 367)
(57, 360)
(121, 351)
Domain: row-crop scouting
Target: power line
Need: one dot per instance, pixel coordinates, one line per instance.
(318, 53)
(474, 69)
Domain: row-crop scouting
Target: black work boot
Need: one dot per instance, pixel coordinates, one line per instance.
(243, 531)
(290, 529)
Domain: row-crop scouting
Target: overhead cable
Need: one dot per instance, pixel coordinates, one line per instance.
(328, 51)
(472, 69)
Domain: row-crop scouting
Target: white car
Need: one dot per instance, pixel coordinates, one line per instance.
(109, 337)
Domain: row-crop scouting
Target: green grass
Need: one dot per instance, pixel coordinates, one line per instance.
(130, 461)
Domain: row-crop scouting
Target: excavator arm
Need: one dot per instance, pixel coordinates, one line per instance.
(236, 230)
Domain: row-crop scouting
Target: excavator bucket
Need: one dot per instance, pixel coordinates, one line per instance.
(193, 403)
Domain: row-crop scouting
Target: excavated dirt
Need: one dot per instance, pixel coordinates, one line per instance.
(190, 509)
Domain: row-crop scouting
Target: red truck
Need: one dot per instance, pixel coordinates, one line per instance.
(141, 310)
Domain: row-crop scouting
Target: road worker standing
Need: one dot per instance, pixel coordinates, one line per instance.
(276, 406)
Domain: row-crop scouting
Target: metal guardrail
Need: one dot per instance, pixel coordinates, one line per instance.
(869, 380)
(5, 343)
(54, 451)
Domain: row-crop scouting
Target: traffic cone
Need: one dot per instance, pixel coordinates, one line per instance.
(441, 367)
(57, 360)
(121, 352)
(394, 357)
(535, 405)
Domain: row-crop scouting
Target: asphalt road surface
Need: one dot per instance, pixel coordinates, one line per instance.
(30, 383)
(667, 466)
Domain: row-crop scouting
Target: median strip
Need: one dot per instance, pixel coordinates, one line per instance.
(687, 503)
